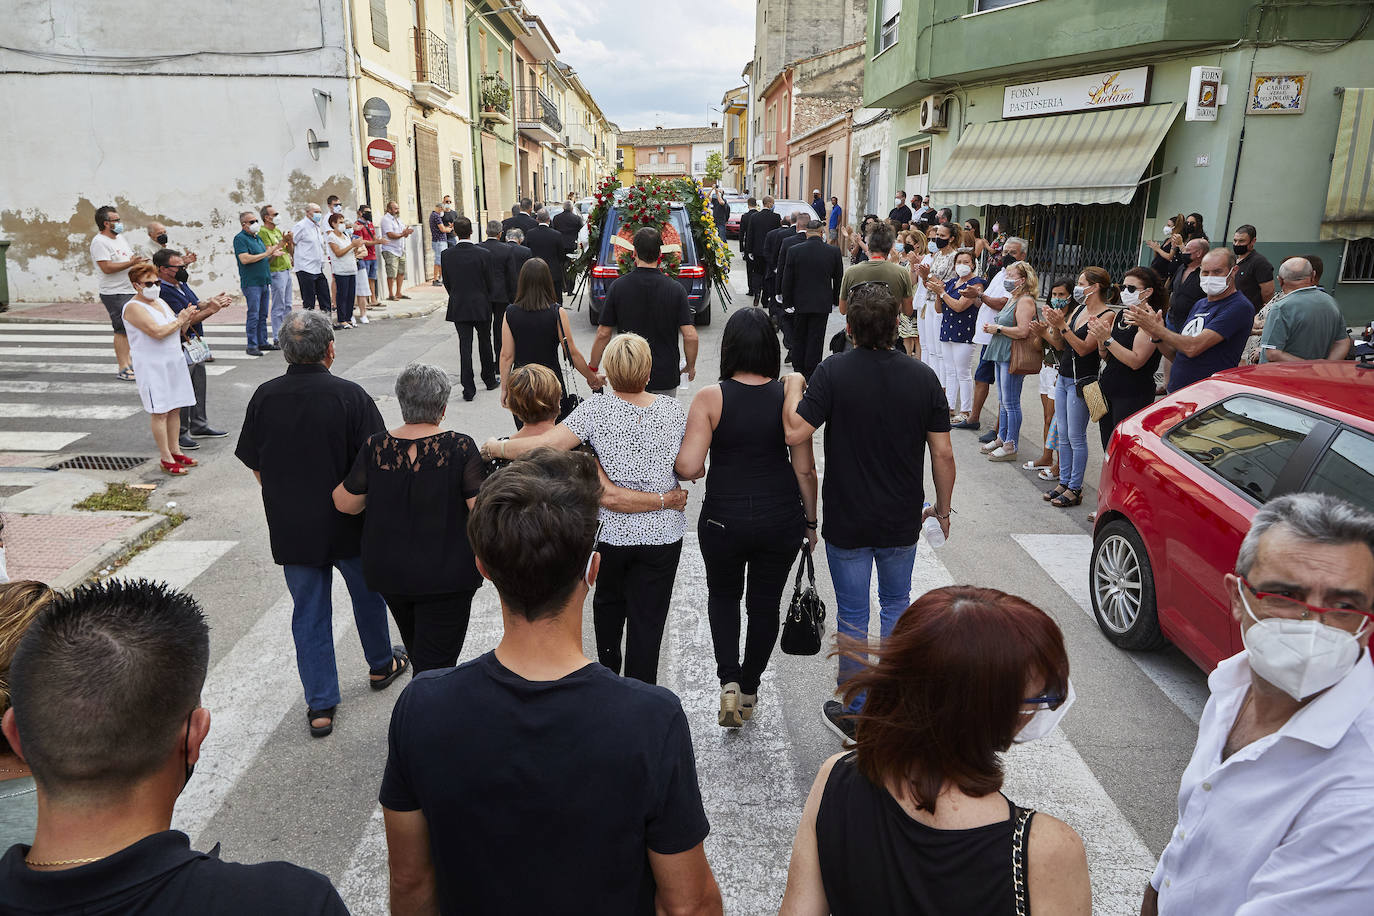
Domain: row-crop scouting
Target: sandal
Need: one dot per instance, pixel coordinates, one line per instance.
(1049, 473)
(1055, 493)
(399, 665)
(173, 468)
(184, 460)
(1032, 466)
(126, 374)
(320, 731)
(1067, 498)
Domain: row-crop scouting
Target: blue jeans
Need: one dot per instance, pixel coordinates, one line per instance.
(851, 572)
(255, 319)
(312, 626)
(1071, 422)
(279, 282)
(1008, 403)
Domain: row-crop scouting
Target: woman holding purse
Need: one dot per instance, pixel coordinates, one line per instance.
(1013, 324)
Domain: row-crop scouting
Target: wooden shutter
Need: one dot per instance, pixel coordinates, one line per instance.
(380, 38)
(428, 181)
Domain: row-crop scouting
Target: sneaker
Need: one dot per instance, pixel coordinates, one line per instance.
(363, 319)
(208, 432)
(186, 443)
(1002, 454)
(435, 283)
(988, 436)
(729, 716)
(992, 446)
(840, 722)
(269, 346)
(747, 702)
(253, 351)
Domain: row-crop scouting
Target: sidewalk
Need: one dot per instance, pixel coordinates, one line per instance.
(424, 300)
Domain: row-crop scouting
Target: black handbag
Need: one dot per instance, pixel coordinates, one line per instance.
(568, 403)
(804, 626)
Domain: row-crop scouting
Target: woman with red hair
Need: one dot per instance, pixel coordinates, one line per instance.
(912, 820)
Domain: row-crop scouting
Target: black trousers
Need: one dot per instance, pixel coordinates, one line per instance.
(808, 341)
(314, 290)
(498, 315)
(760, 539)
(466, 329)
(432, 627)
(770, 283)
(1119, 407)
(753, 269)
(194, 417)
(633, 591)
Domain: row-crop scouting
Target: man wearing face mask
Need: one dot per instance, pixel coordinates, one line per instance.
(311, 258)
(1254, 273)
(113, 256)
(253, 255)
(1214, 335)
(106, 791)
(900, 214)
(157, 234)
(278, 268)
(177, 293)
(1275, 806)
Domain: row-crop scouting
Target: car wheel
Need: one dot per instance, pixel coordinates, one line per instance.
(594, 314)
(1122, 586)
(703, 317)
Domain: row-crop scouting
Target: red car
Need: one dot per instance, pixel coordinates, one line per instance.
(1183, 478)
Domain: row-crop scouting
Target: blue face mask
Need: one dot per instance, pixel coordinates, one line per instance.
(898, 247)
(317, 217)
(118, 228)
(1008, 284)
(1059, 302)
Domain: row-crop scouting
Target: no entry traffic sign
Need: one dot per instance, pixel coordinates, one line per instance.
(381, 154)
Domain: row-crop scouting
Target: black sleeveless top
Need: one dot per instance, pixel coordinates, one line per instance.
(876, 860)
(536, 336)
(749, 455)
(1083, 369)
(1119, 379)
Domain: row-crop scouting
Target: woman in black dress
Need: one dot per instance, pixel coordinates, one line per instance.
(535, 328)
(418, 482)
(760, 504)
(912, 821)
(1129, 358)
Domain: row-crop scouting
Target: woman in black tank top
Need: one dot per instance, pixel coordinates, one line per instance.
(533, 331)
(760, 504)
(912, 822)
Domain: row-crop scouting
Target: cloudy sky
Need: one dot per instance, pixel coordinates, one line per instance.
(647, 64)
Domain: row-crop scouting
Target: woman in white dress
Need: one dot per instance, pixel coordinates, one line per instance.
(164, 379)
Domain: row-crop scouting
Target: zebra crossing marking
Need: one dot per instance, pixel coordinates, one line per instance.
(13, 411)
(27, 441)
(21, 366)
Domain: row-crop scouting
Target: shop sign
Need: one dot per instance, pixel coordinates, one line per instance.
(1204, 90)
(1111, 89)
(1278, 93)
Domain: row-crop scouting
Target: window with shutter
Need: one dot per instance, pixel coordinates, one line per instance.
(888, 14)
(380, 38)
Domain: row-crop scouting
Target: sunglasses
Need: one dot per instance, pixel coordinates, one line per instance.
(150, 284)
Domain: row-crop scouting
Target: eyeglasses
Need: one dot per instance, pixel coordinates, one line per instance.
(150, 284)
(1277, 605)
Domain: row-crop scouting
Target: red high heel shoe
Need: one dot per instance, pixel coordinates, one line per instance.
(172, 467)
(184, 461)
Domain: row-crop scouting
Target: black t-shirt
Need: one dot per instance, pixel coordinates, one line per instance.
(415, 528)
(302, 432)
(1184, 294)
(877, 406)
(161, 873)
(1250, 273)
(534, 805)
(654, 306)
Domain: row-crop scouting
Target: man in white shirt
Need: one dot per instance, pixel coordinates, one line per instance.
(310, 256)
(1276, 806)
(393, 249)
(113, 257)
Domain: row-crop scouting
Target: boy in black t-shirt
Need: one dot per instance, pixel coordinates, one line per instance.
(532, 780)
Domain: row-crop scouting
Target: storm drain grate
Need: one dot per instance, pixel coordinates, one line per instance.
(101, 462)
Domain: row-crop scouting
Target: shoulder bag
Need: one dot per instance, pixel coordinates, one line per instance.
(1027, 356)
(570, 398)
(195, 348)
(804, 625)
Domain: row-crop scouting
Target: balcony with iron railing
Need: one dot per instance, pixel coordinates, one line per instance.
(432, 87)
(537, 115)
(494, 96)
(734, 149)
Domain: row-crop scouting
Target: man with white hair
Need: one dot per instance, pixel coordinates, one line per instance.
(548, 243)
(1306, 323)
(569, 223)
(1275, 805)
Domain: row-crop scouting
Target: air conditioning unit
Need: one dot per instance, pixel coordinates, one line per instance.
(933, 114)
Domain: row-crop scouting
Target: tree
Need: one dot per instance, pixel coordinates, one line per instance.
(715, 167)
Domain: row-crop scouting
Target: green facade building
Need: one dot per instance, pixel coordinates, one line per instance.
(1086, 124)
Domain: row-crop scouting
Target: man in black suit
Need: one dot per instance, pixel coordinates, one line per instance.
(569, 223)
(772, 243)
(900, 214)
(518, 219)
(784, 317)
(811, 277)
(506, 277)
(548, 243)
(469, 273)
(764, 222)
(750, 271)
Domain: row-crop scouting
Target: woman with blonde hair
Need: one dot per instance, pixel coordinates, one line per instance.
(909, 329)
(20, 603)
(636, 436)
(1013, 323)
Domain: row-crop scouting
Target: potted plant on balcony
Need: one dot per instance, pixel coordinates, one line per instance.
(495, 95)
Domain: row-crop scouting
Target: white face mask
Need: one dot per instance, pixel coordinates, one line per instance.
(1213, 285)
(1043, 721)
(1129, 296)
(338, 208)
(1080, 293)
(900, 201)
(4, 573)
(253, 228)
(963, 270)
(1009, 284)
(1300, 657)
(1168, 231)
(148, 292)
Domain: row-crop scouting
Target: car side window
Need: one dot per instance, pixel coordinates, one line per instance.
(1347, 469)
(1244, 440)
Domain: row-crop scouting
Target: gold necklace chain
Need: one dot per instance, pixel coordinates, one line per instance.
(34, 864)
